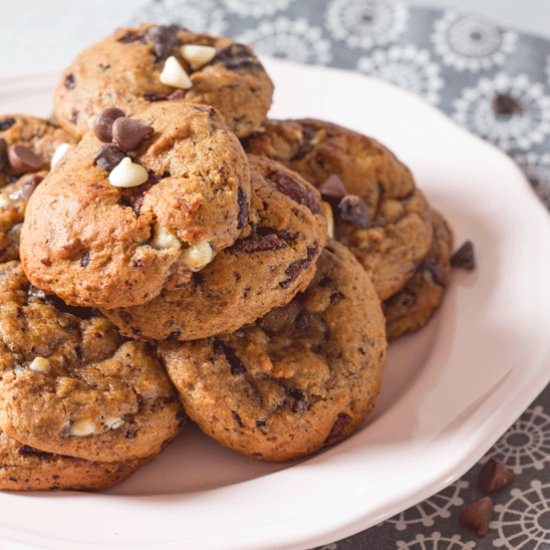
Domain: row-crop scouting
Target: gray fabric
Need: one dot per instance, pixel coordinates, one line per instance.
(494, 81)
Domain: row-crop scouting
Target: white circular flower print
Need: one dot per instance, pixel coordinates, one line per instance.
(471, 42)
(195, 15)
(256, 8)
(407, 67)
(526, 445)
(537, 168)
(366, 23)
(524, 521)
(510, 111)
(291, 39)
(435, 541)
(426, 512)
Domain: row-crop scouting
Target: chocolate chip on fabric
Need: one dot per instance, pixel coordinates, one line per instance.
(494, 476)
(477, 516)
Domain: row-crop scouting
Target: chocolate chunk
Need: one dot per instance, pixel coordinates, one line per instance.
(477, 516)
(238, 419)
(352, 209)
(336, 296)
(152, 96)
(108, 157)
(85, 260)
(505, 105)
(271, 240)
(494, 476)
(6, 123)
(103, 124)
(337, 431)
(3, 155)
(236, 366)
(129, 133)
(27, 451)
(236, 57)
(242, 200)
(296, 190)
(305, 146)
(164, 39)
(70, 82)
(299, 401)
(464, 257)
(260, 423)
(295, 268)
(30, 183)
(22, 160)
(333, 189)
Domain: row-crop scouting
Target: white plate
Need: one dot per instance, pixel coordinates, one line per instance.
(449, 391)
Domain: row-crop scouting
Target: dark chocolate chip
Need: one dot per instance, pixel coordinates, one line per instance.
(352, 209)
(236, 366)
(305, 146)
(295, 268)
(238, 419)
(336, 296)
(27, 451)
(22, 160)
(236, 57)
(129, 133)
(132, 36)
(85, 260)
(70, 82)
(464, 257)
(260, 423)
(152, 96)
(103, 124)
(174, 335)
(342, 421)
(108, 157)
(3, 155)
(30, 183)
(242, 201)
(272, 240)
(494, 476)
(333, 189)
(303, 320)
(477, 516)
(296, 190)
(6, 123)
(505, 105)
(164, 38)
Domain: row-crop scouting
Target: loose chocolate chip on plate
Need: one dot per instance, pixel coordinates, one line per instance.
(6, 123)
(3, 154)
(464, 257)
(333, 188)
(129, 133)
(494, 476)
(477, 516)
(70, 82)
(164, 39)
(108, 157)
(22, 160)
(352, 209)
(103, 124)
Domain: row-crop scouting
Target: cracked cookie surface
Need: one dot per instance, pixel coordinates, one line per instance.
(96, 244)
(395, 233)
(273, 259)
(302, 377)
(124, 70)
(70, 384)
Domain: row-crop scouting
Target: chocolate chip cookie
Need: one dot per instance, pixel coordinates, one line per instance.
(302, 377)
(23, 468)
(69, 384)
(273, 259)
(379, 214)
(413, 306)
(137, 206)
(136, 66)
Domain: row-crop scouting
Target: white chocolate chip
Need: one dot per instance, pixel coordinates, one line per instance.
(113, 422)
(40, 364)
(83, 428)
(162, 239)
(128, 174)
(173, 74)
(5, 200)
(59, 153)
(197, 256)
(327, 211)
(197, 56)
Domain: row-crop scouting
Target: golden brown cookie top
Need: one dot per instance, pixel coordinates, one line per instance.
(69, 384)
(273, 259)
(115, 223)
(136, 66)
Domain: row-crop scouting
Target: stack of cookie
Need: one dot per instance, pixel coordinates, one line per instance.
(169, 252)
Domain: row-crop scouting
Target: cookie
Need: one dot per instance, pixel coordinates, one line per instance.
(303, 377)
(413, 306)
(273, 259)
(23, 468)
(379, 214)
(69, 384)
(136, 66)
(115, 223)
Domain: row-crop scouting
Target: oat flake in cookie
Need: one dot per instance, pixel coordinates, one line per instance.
(116, 222)
(136, 66)
(69, 384)
(379, 214)
(272, 260)
(302, 377)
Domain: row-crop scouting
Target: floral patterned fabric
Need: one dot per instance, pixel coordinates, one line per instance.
(495, 82)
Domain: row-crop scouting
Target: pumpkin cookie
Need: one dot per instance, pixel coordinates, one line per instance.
(137, 206)
(136, 66)
(303, 377)
(379, 214)
(273, 259)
